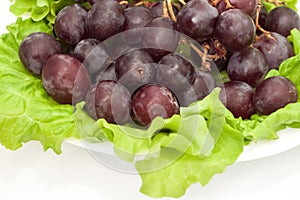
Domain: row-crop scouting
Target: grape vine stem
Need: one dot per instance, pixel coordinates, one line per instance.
(123, 3)
(171, 11)
(182, 2)
(258, 27)
(205, 66)
(276, 2)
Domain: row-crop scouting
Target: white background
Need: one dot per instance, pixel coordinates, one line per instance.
(31, 173)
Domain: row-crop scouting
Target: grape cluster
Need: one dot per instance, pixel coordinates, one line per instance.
(145, 73)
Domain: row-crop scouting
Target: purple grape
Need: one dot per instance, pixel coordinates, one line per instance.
(175, 72)
(93, 55)
(274, 93)
(262, 16)
(135, 69)
(161, 40)
(247, 65)
(282, 20)
(204, 83)
(136, 17)
(237, 97)
(108, 74)
(65, 79)
(248, 6)
(36, 48)
(109, 100)
(197, 19)
(275, 49)
(153, 100)
(84, 47)
(235, 29)
(69, 24)
(105, 19)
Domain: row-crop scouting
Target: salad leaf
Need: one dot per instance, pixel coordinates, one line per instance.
(290, 3)
(188, 133)
(39, 9)
(295, 39)
(199, 143)
(173, 179)
(27, 111)
(265, 127)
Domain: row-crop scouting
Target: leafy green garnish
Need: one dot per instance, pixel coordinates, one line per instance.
(27, 112)
(289, 3)
(39, 9)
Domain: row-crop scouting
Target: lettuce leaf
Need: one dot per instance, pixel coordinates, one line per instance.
(27, 111)
(39, 9)
(200, 143)
(173, 179)
(265, 127)
(290, 3)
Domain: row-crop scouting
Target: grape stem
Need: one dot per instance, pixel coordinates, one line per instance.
(182, 2)
(123, 3)
(227, 2)
(205, 66)
(165, 9)
(145, 3)
(171, 11)
(258, 27)
(276, 2)
(214, 2)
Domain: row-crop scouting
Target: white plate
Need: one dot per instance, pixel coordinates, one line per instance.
(288, 138)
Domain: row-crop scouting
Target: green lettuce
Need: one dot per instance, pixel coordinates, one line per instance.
(39, 9)
(184, 149)
(290, 3)
(27, 112)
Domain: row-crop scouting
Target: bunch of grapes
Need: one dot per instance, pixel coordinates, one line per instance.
(143, 75)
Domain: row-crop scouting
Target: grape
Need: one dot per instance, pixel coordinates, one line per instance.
(84, 47)
(175, 72)
(105, 19)
(274, 93)
(134, 69)
(153, 100)
(157, 9)
(108, 74)
(69, 25)
(204, 83)
(235, 29)
(237, 97)
(136, 17)
(109, 100)
(161, 40)
(92, 2)
(282, 20)
(247, 65)
(275, 49)
(36, 48)
(197, 19)
(248, 6)
(262, 16)
(93, 55)
(64, 78)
